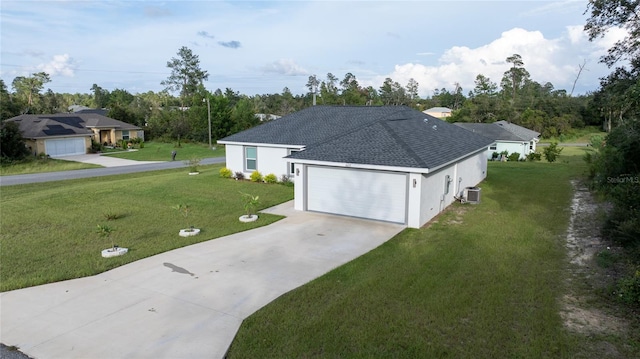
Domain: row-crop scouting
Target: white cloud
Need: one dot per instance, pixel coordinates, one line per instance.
(60, 65)
(285, 67)
(547, 60)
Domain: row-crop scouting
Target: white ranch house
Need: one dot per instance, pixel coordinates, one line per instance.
(387, 163)
(506, 136)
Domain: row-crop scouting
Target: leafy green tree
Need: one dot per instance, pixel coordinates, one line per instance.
(28, 88)
(221, 123)
(615, 170)
(242, 116)
(100, 96)
(484, 86)
(125, 114)
(352, 94)
(329, 90)
(186, 74)
(53, 103)
(120, 98)
(608, 14)
(412, 90)
(552, 152)
(313, 84)
(515, 78)
(13, 146)
(8, 107)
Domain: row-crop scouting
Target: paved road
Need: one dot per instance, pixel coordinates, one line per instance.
(97, 172)
(571, 144)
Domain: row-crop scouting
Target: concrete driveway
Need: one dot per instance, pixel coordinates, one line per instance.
(106, 161)
(186, 303)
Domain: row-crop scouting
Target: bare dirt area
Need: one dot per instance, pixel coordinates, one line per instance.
(584, 312)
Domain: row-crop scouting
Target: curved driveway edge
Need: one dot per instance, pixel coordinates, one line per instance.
(188, 302)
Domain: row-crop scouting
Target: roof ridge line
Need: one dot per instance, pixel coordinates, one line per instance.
(356, 129)
(407, 148)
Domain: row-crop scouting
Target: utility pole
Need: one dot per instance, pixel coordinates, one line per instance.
(208, 118)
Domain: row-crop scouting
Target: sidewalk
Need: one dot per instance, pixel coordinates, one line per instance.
(105, 161)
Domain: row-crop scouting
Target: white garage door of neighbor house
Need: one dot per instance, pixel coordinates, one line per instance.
(65, 147)
(357, 193)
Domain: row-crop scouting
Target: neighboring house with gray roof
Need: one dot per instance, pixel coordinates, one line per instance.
(388, 163)
(507, 136)
(66, 134)
(439, 112)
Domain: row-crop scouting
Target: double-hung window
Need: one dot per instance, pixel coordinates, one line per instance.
(250, 158)
(125, 134)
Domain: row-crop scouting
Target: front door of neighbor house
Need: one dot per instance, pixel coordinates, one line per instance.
(105, 137)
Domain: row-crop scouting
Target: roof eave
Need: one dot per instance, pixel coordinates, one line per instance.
(473, 153)
(256, 144)
(361, 166)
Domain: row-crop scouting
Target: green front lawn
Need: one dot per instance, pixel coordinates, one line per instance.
(34, 165)
(482, 281)
(47, 230)
(161, 151)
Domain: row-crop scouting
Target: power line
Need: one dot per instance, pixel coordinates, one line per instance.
(100, 70)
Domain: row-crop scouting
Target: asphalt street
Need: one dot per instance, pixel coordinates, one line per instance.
(97, 172)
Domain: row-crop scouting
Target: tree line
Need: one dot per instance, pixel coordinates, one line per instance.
(180, 110)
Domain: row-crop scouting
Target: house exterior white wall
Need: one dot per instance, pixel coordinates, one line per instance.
(521, 147)
(471, 171)
(428, 198)
(234, 158)
(269, 159)
(426, 195)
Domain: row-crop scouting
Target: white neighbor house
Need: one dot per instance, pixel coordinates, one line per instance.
(387, 163)
(506, 136)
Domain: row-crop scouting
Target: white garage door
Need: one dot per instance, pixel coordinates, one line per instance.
(357, 193)
(65, 147)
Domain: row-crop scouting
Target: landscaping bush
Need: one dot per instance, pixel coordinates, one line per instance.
(271, 178)
(13, 145)
(95, 147)
(514, 157)
(285, 180)
(225, 172)
(552, 152)
(193, 164)
(629, 289)
(239, 176)
(534, 156)
(494, 156)
(256, 176)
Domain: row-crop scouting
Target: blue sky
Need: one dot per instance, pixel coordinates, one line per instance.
(259, 47)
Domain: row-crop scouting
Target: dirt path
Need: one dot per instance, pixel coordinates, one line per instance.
(581, 312)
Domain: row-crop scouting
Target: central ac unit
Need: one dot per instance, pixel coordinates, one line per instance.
(472, 195)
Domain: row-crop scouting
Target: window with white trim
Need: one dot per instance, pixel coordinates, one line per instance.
(493, 147)
(125, 134)
(250, 158)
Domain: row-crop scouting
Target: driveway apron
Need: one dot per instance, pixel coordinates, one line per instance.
(188, 302)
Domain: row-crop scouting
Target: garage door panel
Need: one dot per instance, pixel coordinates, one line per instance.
(65, 147)
(357, 193)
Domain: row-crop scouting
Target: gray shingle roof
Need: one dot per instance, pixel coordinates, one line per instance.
(490, 130)
(66, 124)
(386, 135)
(522, 132)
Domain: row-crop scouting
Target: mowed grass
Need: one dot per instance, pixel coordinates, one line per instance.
(161, 151)
(40, 166)
(47, 230)
(481, 281)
